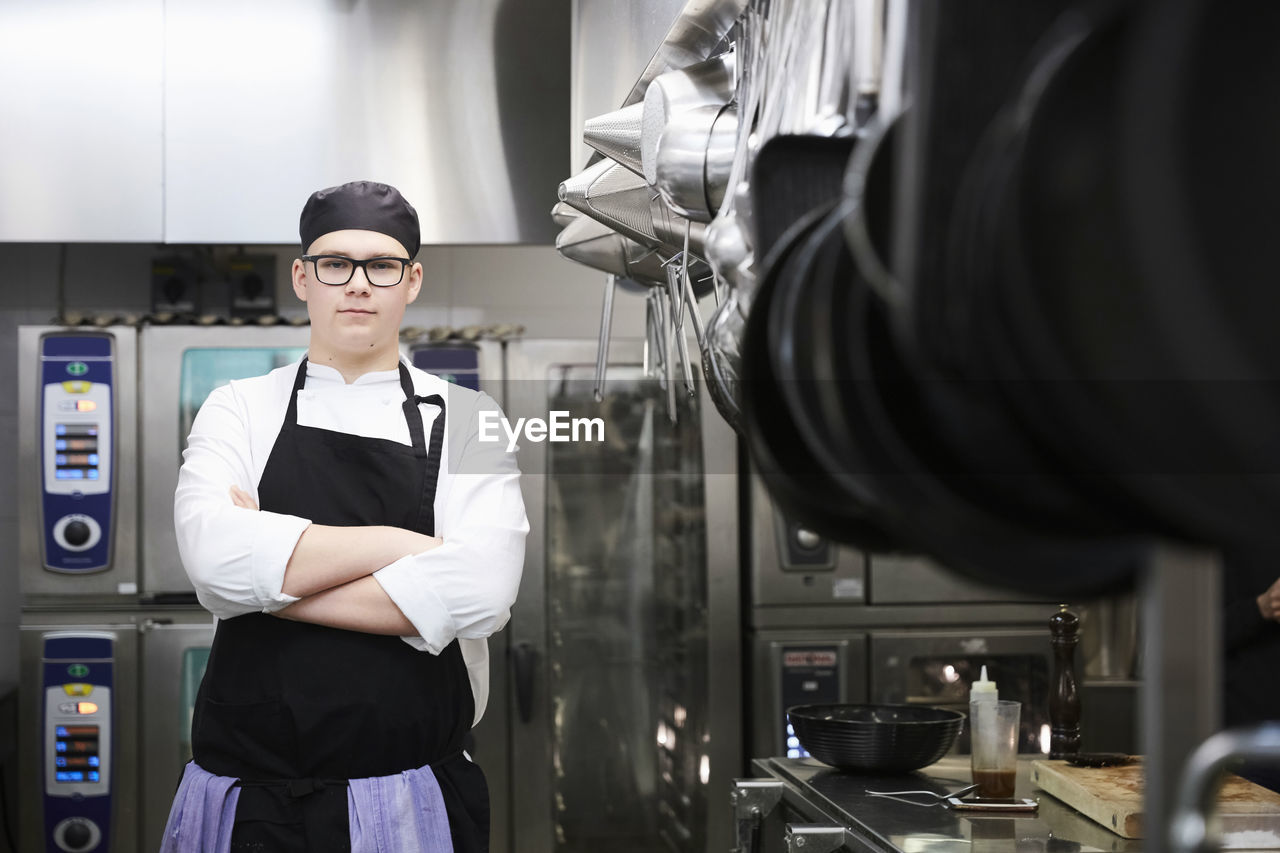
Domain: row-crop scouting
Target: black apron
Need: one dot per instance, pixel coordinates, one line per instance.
(293, 709)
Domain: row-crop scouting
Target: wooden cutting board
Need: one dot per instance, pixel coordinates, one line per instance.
(1112, 796)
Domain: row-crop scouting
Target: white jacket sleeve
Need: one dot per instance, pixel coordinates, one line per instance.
(465, 587)
(234, 557)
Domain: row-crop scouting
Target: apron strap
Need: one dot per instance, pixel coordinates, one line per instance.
(431, 473)
(411, 414)
(291, 414)
(430, 452)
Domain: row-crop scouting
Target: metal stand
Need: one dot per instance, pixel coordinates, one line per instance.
(1180, 696)
(807, 838)
(752, 800)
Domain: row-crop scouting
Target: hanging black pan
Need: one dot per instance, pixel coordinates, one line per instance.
(888, 463)
(1080, 332)
(795, 181)
(799, 483)
(994, 460)
(929, 500)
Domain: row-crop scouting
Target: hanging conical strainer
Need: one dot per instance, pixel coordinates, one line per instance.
(610, 193)
(562, 214)
(596, 245)
(617, 135)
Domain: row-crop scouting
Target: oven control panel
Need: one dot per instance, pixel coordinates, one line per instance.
(77, 378)
(77, 671)
(809, 675)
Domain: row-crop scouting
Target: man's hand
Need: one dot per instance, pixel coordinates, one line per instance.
(1269, 602)
(242, 499)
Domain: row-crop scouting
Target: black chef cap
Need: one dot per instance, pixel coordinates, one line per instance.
(361, 205)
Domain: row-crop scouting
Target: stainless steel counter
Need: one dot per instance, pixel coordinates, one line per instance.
(821, 794)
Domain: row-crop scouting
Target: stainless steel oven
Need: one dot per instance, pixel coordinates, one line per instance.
(801, 666)
(112, 642)
(173, 650)
(624, 686)
(936, 667)
(178, 367)
(832, 624)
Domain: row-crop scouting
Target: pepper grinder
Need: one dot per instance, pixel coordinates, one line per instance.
(1064, 696)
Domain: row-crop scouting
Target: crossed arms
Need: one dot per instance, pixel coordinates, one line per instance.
(375, 579)
(331, 572)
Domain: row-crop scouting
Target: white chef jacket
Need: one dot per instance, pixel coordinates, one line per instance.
(236, 557)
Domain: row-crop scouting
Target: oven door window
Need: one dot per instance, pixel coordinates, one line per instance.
(943, 680)
(204, 369)
(194, 661)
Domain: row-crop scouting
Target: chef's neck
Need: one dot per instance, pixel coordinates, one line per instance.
(353, 365)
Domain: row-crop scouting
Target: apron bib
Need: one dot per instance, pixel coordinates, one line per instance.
(293, 709)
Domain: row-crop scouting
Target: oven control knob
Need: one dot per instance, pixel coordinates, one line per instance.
(76, 834)
(77, 532)
(807, 539)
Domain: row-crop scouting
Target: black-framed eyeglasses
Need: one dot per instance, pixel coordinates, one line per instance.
(338, 269)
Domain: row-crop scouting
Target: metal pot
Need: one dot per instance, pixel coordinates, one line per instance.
(694, 158)
(707, 83)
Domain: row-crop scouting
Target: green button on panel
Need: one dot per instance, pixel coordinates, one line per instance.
(77, 670)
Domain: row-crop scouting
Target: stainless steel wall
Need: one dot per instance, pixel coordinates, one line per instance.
(184, 121)
(459, 103)
(613, 41)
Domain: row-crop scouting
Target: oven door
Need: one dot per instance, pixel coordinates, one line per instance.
(626, 693)
(936, 667)
(180, 366)
(174, 650)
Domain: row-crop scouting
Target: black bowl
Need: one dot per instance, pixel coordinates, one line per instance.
(879, 738)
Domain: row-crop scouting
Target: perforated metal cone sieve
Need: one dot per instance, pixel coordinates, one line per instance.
(610, 193)
(617, 135)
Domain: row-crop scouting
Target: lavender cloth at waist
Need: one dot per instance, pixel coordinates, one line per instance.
(388, 814)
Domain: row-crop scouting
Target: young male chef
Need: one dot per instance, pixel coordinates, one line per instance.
(358, 544)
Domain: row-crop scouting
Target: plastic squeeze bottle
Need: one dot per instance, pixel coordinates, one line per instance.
(983, 690)
(983, 697)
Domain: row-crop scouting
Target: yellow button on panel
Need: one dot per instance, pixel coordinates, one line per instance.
(78, 689)
(76, 386)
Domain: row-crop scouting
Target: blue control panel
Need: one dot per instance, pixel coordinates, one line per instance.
(77, 671)
(456, 363)
(77, 380)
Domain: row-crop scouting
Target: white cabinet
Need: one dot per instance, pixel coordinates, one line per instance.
(81, 131)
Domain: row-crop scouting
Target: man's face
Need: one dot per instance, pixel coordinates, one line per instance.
(355, 318)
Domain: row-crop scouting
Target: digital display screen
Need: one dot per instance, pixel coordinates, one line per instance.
(77, 757)
(794, 749)
(76, 452)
